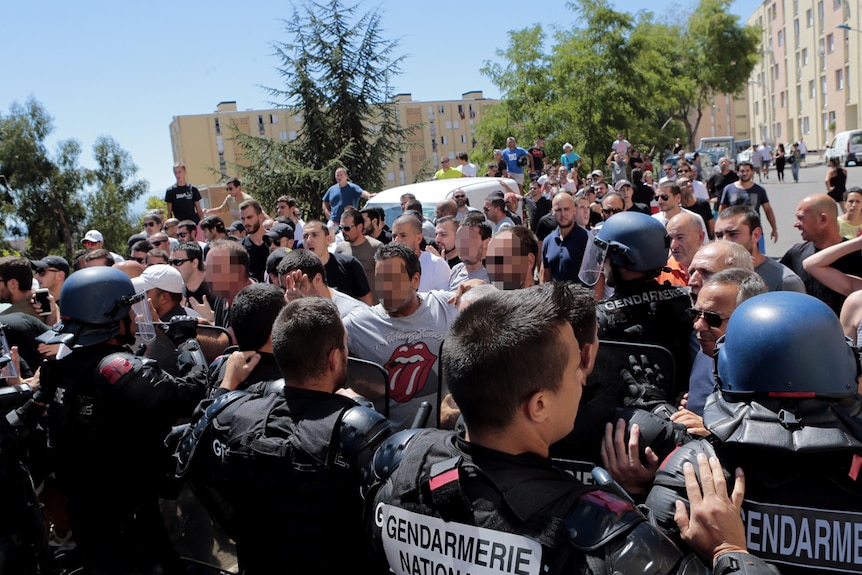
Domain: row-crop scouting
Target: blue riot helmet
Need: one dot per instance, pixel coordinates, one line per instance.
(629, 240)
(94, 301)
(785, 344)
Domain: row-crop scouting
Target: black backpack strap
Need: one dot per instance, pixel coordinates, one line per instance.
(191, 437)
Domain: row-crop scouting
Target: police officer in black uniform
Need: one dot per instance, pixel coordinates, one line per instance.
(492, 501)
(108, 413)
(281, 472)
(631, 249)
(788, 413)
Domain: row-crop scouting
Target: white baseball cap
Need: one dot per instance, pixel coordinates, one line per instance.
(165, 277)
(93, 236)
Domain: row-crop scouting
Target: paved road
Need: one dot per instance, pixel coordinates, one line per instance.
(784, 197)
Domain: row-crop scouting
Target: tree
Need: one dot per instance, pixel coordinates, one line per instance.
(717, 55)
(45, 190)
(115, 189)
(337, 70)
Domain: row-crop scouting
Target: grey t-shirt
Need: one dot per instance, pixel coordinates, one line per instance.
(459, 275)
(408, 348)
(779, 277)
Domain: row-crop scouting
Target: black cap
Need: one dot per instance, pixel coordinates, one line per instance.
(52, 262)
(237, 226)
(274, 259)
(280, 230)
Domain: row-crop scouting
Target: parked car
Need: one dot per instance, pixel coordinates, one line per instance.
(847, 147)
(745, 155)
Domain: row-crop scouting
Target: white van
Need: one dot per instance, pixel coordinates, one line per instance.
(847, 147)
(429, 193)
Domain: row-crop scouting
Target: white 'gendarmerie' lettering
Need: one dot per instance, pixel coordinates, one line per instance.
(422, 545)
(644, 297)
(820, 538)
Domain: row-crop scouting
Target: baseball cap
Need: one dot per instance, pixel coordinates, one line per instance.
(166, 278)
(93, 236)
(280, 230)
(52, 262)
(621, 183)
(237, 226)
(273, 259)
(598, 173)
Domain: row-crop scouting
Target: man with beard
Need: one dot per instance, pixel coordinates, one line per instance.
(512, 257)
(258, 251)
(343, 272)
(471, 242)
(462, 202)
(745, 192)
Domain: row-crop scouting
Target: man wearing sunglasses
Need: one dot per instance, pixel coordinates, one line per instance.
(93, 240)
(51, 273)
(717, 299)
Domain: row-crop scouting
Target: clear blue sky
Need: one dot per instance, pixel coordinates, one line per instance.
(124, 68)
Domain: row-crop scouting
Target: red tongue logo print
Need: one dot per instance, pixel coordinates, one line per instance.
(408, 370)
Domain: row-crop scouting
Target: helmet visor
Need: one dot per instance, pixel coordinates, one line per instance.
(594, 259)
(143, 319)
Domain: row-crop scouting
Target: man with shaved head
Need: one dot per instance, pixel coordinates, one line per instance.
(711, 259)
(817, 220)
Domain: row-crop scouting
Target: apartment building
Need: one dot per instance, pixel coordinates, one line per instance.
(441, 128)
(807, 82)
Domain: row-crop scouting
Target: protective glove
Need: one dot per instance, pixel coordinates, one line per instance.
(181, 328)
(646, 384)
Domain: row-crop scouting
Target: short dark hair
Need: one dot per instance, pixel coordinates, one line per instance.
(254, 204)
(353, 215)
(413, 205)
(461, 156)
(238, 254)
(750, 217)
(253, 310)
(477, 220)
(141, 246)
(496, 201)
(157, 253)
(396, 250)
(583, 313)
(672, 185)
(305, 261)
(529, 243)
(17, 268)
(193, 252)
(99, 254)
(304, 333)
(187, 225)
(488, 385)
(853, 190)
(213, 223)
(372, 213)
(234, 181)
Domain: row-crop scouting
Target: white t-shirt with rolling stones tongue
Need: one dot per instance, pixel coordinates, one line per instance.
(408, 348)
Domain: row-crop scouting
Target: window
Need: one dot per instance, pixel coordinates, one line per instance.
(781, 37)
(282, 135)
(811, 92)
(839, 79)
(291, 135)
(298, 118)
(774, 11)
(260, 126)
(830, 43)
(820, 15)
(805, 56)
(778, 130)
(783, 99)
(776, 71)
(444, 140)
(273, 118)
(847, 76)
(823, 90)
(809, 17)
(799, 96)
(796, 27)
(390, 176)
(441, 109)
(836, 4)
(217, 126)
(806, 128)
(456, 124)
(756, 107)
(463, 138)
(219, 144)
(831, 117)
(448, 125)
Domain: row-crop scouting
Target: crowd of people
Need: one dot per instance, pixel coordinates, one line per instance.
(572, 377)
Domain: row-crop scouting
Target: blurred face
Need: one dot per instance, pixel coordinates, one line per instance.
(564, 211)
(470, 245)
(445, 236)
(716, 302)
(460, 198)
(582, 212)
(667, 200)
(341, 177)
(140, 257)
(281, 209)
(251, 220)
(723, 164)
(160, 240)
(601, 188)
(510, 143)
(351, 231)
(735, 230)
(684, 240)
(48, 278)
(395, 289)
(221, 276)
(151, 227)
(186, 234)
(314, 239)
(370, 226)
(667, 169)
(745, 173)
(444, 163)
(492, 213)
(507, 269)
(91, 246)
(685, 187)
(535, 190)
(170, 229)
(233, 190)
(180, 175)
(625, 192)
(407, 235)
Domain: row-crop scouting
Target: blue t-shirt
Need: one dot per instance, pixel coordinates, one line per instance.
(339, 198)
(511, 159)
(563, 256)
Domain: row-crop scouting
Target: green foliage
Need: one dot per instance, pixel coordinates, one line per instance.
(615, 72)
(115, 187)
(50, 205)
(337, 69)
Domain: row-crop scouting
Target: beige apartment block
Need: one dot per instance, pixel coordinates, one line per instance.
(807, 84)
(441, 128)
(726, 116)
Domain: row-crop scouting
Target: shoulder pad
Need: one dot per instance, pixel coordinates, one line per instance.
(644, 549)
(361, 427)
(669, 484)
(599, 516)
(116, 365)
(388, 456)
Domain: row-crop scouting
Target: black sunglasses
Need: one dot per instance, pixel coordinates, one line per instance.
(159, 242)
(663, 197)
(151, 224)
(182, 234)
(346, 228)
(611, 210)
(712, 319)
(141, 260)
(177, 262)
